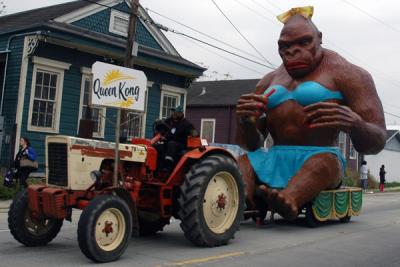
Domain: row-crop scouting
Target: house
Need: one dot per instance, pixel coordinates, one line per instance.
(211, 109)
(46, 56)
(389, 156)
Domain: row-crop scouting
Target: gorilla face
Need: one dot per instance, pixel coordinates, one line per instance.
(300, 46)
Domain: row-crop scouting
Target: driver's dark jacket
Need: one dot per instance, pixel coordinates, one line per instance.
(179, 130)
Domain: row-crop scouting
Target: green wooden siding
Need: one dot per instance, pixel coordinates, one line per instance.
(100, 22)
(11, 90)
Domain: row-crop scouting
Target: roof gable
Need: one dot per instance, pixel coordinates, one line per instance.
(219, 93)
(21, 20)
(100, 22)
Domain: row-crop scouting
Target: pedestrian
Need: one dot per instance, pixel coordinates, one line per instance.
(382, 179)
(25, 161)
(364, 175)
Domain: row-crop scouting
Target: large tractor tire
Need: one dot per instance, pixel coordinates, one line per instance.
(212, 201)
(27, 229)
(104, 228)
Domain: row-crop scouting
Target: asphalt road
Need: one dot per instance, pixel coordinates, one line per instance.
(371, 239)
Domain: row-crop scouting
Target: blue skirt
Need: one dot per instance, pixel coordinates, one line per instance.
(277, 165)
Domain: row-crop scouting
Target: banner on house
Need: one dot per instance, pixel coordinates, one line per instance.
(119, 87)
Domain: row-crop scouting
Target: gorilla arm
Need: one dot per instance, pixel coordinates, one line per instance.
(251, 128)
(362, 116)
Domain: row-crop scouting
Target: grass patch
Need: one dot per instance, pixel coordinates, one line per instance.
(352, 178)
(392, 184)
(10, 192)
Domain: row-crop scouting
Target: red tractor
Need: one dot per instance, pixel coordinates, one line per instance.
(205, 191)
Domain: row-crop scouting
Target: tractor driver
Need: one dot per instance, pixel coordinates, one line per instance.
(174, 131)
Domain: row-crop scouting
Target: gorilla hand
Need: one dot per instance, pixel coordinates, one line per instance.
(332, 115)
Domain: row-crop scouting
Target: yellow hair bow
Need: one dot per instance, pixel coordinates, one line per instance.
(305, 11)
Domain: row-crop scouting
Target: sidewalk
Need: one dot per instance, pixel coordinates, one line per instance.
(4, 205)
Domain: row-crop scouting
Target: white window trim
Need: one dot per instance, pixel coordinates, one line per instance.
(201, 127)
(356, 153)
(87, 72)
(164, 92)
(144, 114)
(114, 13)
(51, 66)
(345, 144)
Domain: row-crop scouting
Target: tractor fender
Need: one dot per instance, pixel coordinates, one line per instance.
(191, 157)
(126, 196)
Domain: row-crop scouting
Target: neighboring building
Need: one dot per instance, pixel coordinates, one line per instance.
(389, 156)
(46, 55)
(211, 107)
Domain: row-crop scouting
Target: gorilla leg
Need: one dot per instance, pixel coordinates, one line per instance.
(318, 173)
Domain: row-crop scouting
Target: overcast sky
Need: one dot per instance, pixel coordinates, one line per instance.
(368, 40)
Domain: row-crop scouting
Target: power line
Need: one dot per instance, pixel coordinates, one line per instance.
(391, 114)
(254, 11)
(371, 16)
(162, 27)
(204, 34)
(272, 4)
(99, 4)
(227, 59)
(258, 52)
(263, 7)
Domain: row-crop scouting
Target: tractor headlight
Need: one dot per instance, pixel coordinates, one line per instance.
(95, 175)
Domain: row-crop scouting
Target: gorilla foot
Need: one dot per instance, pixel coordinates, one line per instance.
(281, 203)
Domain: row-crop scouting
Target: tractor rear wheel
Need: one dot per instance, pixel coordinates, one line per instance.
(212, 201)
(104, 228)
(27, 229)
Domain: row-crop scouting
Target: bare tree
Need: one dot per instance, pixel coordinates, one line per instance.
(2, 8)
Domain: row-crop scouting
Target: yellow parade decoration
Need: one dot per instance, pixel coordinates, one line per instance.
(306, 12)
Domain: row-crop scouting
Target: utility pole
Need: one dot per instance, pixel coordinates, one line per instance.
(128, 63)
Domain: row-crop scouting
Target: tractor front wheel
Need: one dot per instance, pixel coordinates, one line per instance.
(104, 228)
(212, 201)
(27, 229)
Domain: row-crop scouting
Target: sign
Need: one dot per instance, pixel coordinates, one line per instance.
(119, 87)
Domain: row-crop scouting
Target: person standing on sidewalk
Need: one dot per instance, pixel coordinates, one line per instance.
(25, 162)
(382, 174)
(364, 175)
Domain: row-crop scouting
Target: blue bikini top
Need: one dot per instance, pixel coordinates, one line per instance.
(305, 94)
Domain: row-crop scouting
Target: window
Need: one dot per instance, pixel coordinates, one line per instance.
(46, 94)
(119, 23)
(45, 99)
(352, 151)
(135, 125)
(342, 143)
(207, 130)
(169, 100)
(98, 113)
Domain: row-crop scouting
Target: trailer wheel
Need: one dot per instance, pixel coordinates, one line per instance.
(27, 229)
(345, 219)
(311, 220)
(104, 228)
(148, 227)
(212, 201)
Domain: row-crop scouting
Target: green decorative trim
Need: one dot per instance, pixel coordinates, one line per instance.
(341, 204)
(356, 202)
(323, 206)
(333, 204)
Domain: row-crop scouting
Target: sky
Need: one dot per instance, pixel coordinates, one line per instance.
(365, 32)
